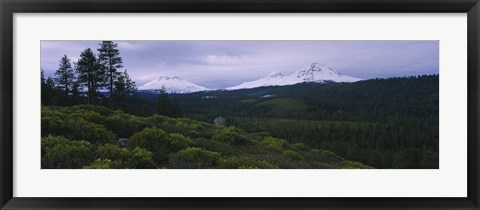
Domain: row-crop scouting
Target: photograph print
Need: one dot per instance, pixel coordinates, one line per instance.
(232, 104)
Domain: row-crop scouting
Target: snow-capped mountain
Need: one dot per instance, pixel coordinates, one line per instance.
(312, 73)
(172, 84)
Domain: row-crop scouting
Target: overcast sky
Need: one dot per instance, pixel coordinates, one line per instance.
(220, 64)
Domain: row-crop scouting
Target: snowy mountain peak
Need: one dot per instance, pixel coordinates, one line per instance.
(316, 72)
(315, 67)
(172, 84)
(275, 75)
(311, 73)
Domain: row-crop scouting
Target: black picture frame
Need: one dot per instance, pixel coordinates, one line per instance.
(9, 7)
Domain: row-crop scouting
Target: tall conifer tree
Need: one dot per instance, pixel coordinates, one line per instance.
(65, 76)
(109, 57)
(90, 73)
(176, 111)
(124, 89)
(163, 104)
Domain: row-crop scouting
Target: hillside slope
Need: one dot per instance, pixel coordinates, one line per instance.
(384, 123)
(95, 137)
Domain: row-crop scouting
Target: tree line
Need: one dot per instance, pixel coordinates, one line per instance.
(87, 77)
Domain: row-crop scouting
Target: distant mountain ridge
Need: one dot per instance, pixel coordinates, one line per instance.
(312, 73)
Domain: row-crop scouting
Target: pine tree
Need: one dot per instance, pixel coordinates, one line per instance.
(76, 94)
(130, 86)
(109, 57)
(124, 86)
(49, 92)
(119, 87)
(175, 110)
(90, 73)
(42, 75)
(65, 76)
(163, 103)
(43, 88)
(124, 90)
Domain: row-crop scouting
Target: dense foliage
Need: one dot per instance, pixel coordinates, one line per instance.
(96, 137)
(385, 123)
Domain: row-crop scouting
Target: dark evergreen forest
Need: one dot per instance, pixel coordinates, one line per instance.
(385, 123)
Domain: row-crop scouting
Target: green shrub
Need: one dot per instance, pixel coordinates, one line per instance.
(330, 155)
(156, 120)
(102, 110)
(59, 152)
(194, 157)
(89, 116)
(245, 163)
(293, 155)
(142, 158)
(230, 136)
(263, 134)
(100, 164)
(119, 157)
(194, 133)
(94, 133)
(181, 126)
(186, 128)
(278, 144)
(76, 129)
(160, 142)
(179, 140)
(52, 121)
(125, 125)
(113, 152)
(355, 165)
(124, 158)
(216, 146)
(301, 146)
